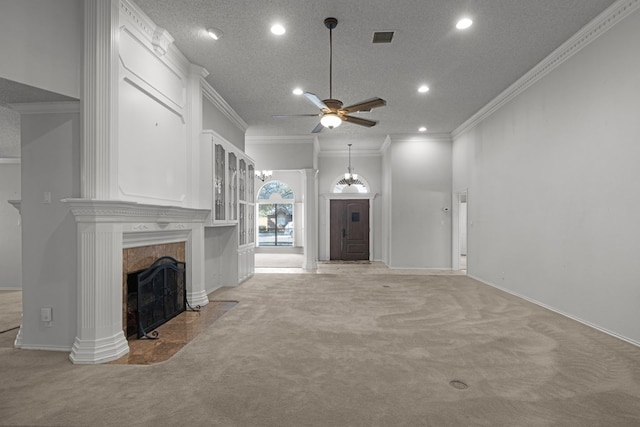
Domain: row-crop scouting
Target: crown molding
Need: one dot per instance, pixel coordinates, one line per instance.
(219, 102)
(342, 153)
(160, 40)
(288, 139)
(440, 137)
(590, 32)
(16, 204)
(385, 145)
(46, 107)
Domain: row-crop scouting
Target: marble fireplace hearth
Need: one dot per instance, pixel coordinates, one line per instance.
(107, 228)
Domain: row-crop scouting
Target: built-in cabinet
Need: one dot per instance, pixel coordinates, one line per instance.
(246, 218)
(228, 191)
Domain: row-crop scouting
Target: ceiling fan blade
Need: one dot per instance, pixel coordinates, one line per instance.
(318, 128)
(284, 116)
(365, 105)
(359, 121)
(313, 98)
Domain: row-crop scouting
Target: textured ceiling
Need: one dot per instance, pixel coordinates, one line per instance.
(255, 71)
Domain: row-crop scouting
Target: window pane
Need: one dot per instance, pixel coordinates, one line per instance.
(275, 224)
(275, 187)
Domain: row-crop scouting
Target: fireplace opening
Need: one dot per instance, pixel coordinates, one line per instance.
(154, 296)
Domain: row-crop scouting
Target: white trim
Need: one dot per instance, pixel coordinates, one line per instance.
(150, 30)
(60, 107)
(117, 211)
(590, 32)
(342, 153)
(437, 137)
(16, 204)
(42, 347)
(136, 239)
(385, 145)
(219, 102)
(560, 312)
(455, 224)
(10, 160)
(285, 139)
(101, 350)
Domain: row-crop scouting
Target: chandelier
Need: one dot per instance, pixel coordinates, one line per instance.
(263, 175)
(350, 178)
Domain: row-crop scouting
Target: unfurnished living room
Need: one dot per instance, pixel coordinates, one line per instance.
(299, 213)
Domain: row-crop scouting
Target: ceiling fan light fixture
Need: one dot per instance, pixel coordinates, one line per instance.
(464, 23)
(214, 33)
(278, 29)
(423, 89)
(331, 120)
(298, 91)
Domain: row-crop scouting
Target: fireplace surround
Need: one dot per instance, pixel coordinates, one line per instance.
(104, 229)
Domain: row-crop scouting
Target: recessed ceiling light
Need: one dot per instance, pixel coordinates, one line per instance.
(423, 89)
(422, 129)
(464, 23)
(214, 33)
(297, 91)
(278, 29)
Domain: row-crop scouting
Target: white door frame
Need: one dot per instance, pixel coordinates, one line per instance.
(327, 214)
(455, 238)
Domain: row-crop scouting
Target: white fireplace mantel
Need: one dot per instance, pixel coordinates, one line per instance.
(104, 228)
(117, 211)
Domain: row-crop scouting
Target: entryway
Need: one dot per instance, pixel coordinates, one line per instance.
(349, 229)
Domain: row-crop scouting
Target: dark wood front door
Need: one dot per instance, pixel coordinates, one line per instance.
(349, 224)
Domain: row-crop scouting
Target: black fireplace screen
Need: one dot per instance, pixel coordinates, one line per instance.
(155, 296)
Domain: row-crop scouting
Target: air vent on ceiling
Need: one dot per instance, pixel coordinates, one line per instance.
(383, 36)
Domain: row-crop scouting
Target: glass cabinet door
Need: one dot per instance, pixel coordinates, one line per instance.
(251, 223)
(251, 175)
(219, 186)
(242, 225)
(242, 180)
(233, 186)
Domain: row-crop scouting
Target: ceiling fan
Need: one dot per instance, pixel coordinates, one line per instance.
(332, 112)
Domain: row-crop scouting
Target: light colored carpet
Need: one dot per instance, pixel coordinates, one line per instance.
(347, 350)
(10, 309)
(283, 260)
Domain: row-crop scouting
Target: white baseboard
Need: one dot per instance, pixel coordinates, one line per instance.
(560, 312)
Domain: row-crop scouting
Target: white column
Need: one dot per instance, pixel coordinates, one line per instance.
(99, 336)
(100, 100)
(310, 199)
(196, 290)
(194, 131)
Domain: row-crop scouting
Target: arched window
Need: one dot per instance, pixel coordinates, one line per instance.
(340, 185)
(275, 214)
(275, 189)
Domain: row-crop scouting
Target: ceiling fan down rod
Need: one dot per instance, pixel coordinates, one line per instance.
(331, 23)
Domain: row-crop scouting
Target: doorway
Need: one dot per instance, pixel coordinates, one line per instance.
(462, 231)
(349, 230)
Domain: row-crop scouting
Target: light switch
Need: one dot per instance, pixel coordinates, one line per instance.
(47, 197)
(45, 314)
